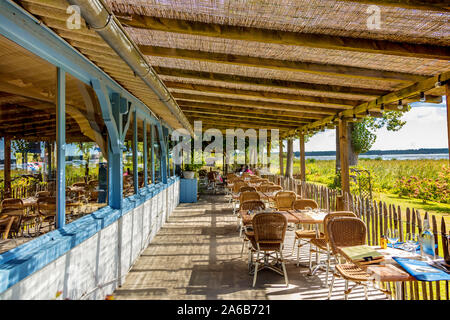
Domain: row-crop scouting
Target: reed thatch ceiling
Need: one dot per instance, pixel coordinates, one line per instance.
(282, 64)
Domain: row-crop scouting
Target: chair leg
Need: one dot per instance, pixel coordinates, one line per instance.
(293, 246)
(310, 257)
(331, 286)
(284, 269)
(328, 267)
(365, 293)
(298, 254)
(346, 289)
(243, 244)
(256, 268)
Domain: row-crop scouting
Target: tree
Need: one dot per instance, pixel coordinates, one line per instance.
(85, 149)
(22, 146)
(363, 134)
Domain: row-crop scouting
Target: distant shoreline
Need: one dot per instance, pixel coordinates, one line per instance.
(422, 151)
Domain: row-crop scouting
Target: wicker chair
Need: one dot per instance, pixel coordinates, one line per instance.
(323, 242)
(269, 229)
(5, 225)
(14, 208)
(302, 204)
(346, 232)
(236, 189)
(284, 200)
(304, 234)
(47, 211)
(253, 205)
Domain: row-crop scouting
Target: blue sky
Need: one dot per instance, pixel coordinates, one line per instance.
(426, 127)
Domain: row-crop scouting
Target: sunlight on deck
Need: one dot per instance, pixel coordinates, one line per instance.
(197, 255)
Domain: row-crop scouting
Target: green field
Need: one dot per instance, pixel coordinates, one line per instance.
(384, 174)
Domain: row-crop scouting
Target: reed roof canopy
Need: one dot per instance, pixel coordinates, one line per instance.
(292, 65)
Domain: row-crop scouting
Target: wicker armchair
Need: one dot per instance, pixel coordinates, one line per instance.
(269, 230)
(5, 225)
(305, 233)
(323, 242)
(284, 200)
(302, 204)
(47, 211)
(15, 209)
(249, 205)
(247, 189)
(237, 185)
(346, 232)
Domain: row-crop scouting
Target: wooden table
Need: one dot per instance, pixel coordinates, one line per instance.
(388, 270)
(247, 218)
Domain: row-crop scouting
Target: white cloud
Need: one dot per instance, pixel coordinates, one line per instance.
(426, 127)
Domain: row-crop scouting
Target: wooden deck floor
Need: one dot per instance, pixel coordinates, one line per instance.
(197, 255)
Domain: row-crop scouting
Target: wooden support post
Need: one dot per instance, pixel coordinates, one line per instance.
(115, 154)
(447, 91)
(135, 154)
(281, 157)
(290, 158)
(7, 166)
(269, 147)
(61, 148)
(302, 158)
(145, 153)
(343, 146)
(152, 130)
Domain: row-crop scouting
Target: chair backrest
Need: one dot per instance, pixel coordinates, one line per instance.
(274, 188)
(254, 205)
(237, 185)
(269, 228)
(47, 205)
(263, 187)
(249, 195)
(301, 204)
(12, 203)
(285, 202)
(40, 194)
(246, 188)
(333, 215)
(79, 184)
(346, 232)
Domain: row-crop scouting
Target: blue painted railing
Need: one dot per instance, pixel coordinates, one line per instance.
(22, 261)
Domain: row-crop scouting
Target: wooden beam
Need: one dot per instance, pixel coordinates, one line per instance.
(447, 90)
(285, 65)
(185, 104)
(302, 158)
(7, 164)
(314, 112)
(300, 98)
(343, 148)
(275, 83)
(427, 5)
(392, 97)
(231, 120)
(313, 40)
(195, 111)
(280, 156)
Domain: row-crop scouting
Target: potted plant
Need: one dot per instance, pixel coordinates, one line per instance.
(190, 169)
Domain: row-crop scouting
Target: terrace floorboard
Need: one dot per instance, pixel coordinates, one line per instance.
(197, 255)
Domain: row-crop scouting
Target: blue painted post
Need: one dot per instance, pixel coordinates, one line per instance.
(135, 154)
(145, 154)
(163, 167)
(115, 159)
(153, 152)
(60, 148)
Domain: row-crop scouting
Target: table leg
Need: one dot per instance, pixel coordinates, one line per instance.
(398, 290)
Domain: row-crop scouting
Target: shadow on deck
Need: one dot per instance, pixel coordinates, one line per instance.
(197, 255)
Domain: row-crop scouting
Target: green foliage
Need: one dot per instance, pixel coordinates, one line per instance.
(363, 133)
(85, 149)
(427, 189)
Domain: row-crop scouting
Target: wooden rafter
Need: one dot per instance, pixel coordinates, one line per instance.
(229, 78)
(300, 98)
(395, 96)
(306, 67)
(314, 110)
(285, 37)
(429, 5)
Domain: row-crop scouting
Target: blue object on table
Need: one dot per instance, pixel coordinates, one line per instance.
(399, 245)
(418, 269)
(188, 190)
